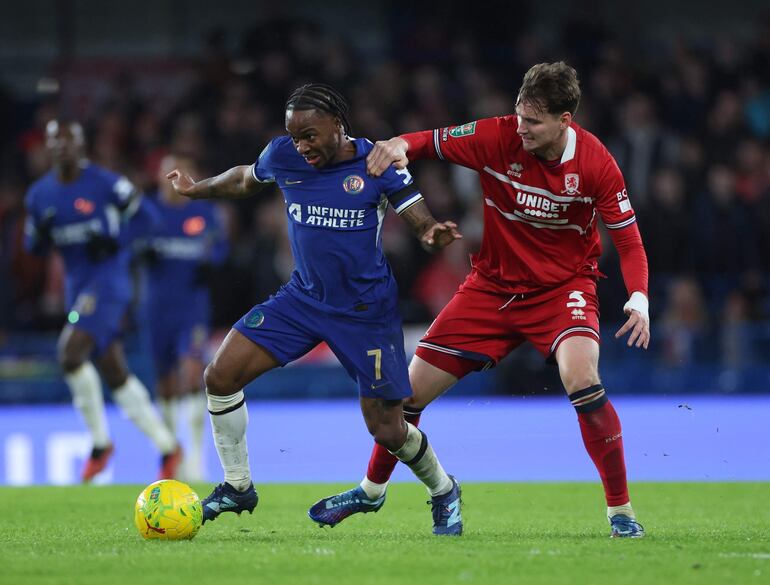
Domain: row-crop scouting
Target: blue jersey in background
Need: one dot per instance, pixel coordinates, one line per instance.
(182, 242)
(69, 215)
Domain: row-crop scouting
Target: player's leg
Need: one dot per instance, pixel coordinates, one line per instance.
(194, 407)
(428, 383)
(74, 350)
(372, 352)
(385, 421)
(237, 362)
(168, 399)
(578, 360)
(132, 397)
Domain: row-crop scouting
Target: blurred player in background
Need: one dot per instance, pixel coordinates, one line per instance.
(341, 292)
(545, 180)
(186, 240)
(82, 210)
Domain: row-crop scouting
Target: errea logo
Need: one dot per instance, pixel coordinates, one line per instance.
(516, 169)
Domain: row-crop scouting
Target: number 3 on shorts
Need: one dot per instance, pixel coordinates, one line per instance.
(377, 353)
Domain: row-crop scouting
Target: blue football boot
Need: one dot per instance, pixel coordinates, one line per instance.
(225, 498)
(447, 519)
(625, 527)
(334, 509)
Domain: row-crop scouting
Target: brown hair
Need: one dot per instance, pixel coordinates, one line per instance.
(551, 87)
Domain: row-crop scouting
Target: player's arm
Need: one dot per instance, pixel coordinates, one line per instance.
(468, 145)
(410, 206)
(37, 232)
(434, 235)
(235, 183)
(619, 218)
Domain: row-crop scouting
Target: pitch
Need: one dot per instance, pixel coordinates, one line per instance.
(515, 533)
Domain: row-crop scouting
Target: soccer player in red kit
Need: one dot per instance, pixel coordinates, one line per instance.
(546, 182)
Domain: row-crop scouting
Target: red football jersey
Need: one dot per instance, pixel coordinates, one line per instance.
(540, 217)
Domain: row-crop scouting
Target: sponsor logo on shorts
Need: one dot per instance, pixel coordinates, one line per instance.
(353, 184)
(578, 314)
(254, 319)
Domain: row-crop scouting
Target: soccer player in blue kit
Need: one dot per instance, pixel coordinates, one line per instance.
(82, 210)
(185, 240)
(342, 291)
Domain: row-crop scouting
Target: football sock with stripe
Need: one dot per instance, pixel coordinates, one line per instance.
(169, 410)
(134, 400)
(87, 397)
(603, 439)
(417, 453)
(229, 419)
(382, 462)
(196, 417)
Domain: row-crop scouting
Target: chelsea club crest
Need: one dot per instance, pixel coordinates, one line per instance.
(353, 184)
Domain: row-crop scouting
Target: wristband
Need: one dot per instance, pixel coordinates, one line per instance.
(638, 302)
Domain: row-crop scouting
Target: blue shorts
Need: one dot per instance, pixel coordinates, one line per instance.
(175, 337)
(100, 317)
(370, 350)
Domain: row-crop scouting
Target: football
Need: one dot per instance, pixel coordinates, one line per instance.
(168, 510)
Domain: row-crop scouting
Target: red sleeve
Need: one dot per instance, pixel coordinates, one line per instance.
(420, 144)
(471, 145)
(633, 259)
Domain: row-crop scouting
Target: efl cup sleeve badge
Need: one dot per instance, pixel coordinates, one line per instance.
(571, 184)
(353, 184)
(463, 130)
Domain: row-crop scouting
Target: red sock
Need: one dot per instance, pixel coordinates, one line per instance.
(600, 427)
(382, 463)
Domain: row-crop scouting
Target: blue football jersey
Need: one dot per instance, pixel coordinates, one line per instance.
(97, 202)
(182, 238)
(335, 217)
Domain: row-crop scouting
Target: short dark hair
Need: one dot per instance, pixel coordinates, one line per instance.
(551, 87)
(319, 96)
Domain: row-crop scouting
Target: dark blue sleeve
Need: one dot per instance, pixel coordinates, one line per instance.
(262, 170)
(36, 228)
(400, 188)
(145, 223)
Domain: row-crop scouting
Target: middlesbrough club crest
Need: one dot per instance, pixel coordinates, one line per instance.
(571, 184)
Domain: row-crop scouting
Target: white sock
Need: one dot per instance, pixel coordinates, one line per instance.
(373, 490)
(417, 453)
(134, 400)
(229, 419)
(196, 416)
(624, 509)
(87, 397)
(169, 410)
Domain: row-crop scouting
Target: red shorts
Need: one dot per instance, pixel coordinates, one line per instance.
(477, 328)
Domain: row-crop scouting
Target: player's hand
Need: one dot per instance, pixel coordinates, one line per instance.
(386, 153)
(100, 247)
(182, 183)
(440, 235)
(639, 326)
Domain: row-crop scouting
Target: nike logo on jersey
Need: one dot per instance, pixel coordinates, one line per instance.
(289, 182)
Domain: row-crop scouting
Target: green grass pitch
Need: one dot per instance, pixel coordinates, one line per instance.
(514, 533)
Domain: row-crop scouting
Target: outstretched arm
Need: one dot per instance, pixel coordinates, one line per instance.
(633, 264)
(433, 235)
(236, 183)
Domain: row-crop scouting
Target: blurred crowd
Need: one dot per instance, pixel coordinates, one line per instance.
(688, 122)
